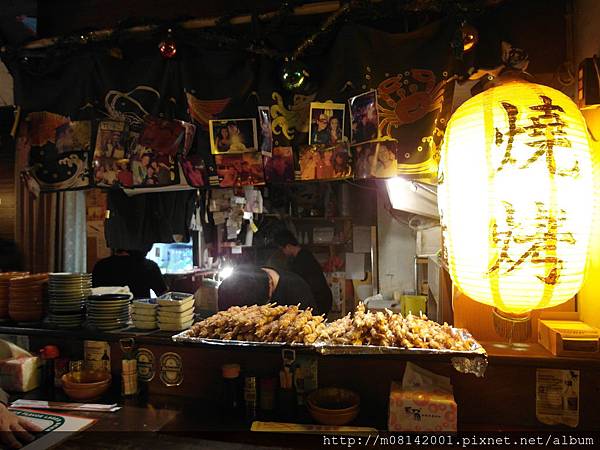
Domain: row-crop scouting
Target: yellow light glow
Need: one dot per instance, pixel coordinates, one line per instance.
(516, 197)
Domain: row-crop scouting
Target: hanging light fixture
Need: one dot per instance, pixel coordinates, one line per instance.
(516, 198)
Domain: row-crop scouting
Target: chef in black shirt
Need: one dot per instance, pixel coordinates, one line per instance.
(303, 263)
(249, 285)
(130, 268)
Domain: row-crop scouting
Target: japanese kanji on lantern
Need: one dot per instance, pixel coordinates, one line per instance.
(516, 197)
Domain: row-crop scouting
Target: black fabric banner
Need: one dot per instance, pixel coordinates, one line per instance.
(409, 71)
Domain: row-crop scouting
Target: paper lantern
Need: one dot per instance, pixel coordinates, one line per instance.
(516, 197)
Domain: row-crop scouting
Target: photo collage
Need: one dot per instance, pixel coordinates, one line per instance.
(244, 150)
(139, 157)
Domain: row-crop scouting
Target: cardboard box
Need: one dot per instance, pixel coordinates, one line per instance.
(421, 410)
(563, 334)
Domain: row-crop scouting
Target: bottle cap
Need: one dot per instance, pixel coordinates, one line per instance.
(50, 352)
(230, 370)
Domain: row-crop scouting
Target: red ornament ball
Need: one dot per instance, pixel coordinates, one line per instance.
(168, 48)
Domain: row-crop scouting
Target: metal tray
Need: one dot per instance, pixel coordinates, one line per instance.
(474, 361)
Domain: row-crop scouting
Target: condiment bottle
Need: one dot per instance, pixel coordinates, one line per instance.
(61, 367)
(250, 397)
(231, 374)
(267, 395)
(129, 374)
(49, 354)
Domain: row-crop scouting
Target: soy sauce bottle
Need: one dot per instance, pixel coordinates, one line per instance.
(230, 399)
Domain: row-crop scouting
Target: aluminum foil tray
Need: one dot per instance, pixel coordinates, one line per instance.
(474, 361)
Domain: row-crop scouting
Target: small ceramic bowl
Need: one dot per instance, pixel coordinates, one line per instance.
(92, 385)
(333, 406)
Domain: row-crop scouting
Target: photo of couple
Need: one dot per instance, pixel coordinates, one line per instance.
(326, 123)
(233, 136)
(363, 112)
(376, 159)
(318, 162)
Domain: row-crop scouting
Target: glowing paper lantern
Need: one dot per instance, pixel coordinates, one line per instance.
(516, 197)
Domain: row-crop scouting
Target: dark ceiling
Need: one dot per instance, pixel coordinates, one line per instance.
(538, 26)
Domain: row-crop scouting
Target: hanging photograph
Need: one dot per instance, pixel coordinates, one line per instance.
(163, 136)
(190, 134)
(279, 168)
(309, 158)
(364, 117)
(326, 123)
(59, 152)
(375, 159)
(111, 140)
(245, 169)
(266, 135)
(73, 136)
(110, 154)
(153, 152)
(318, 162)
(233, 136)
(194, 169)
(341, 161)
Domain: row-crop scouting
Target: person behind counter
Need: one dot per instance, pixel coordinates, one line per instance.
(249, 285)
(129, 268)
(303, 263)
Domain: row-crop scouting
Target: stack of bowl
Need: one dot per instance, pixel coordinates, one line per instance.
(5, 278)
(175, 311)
(86, 385)
(333, 406)
(67, 294)
(27, 295)
(109, 311)
(144, 313)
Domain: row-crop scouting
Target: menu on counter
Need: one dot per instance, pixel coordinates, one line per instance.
(64, 425)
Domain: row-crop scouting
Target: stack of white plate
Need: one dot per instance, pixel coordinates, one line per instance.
(108, 312)
(175, 311)
(67, 295)
(144, 313)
